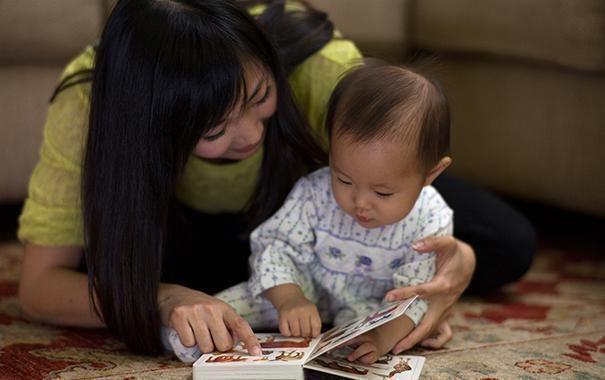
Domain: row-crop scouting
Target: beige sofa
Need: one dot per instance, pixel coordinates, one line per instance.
(37, 39)
(526, 81)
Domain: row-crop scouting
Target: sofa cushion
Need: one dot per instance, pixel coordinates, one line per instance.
(42, 32)
(23, 103)
(569, 33)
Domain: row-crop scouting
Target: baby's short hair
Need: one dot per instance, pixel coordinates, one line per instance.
(377, 100)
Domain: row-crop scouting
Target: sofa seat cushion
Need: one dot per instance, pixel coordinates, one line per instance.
(569, 33)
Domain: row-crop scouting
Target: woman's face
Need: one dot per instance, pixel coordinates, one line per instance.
(242, 132)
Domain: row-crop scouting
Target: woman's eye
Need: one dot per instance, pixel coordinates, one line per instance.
(343, 181)
(383, 195)
(214, 136)
(265, 97)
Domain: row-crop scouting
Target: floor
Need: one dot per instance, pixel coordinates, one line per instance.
(550, 325)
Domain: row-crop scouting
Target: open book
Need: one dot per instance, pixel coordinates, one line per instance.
(287, 357)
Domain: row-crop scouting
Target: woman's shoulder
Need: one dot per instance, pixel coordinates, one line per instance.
(315, 78)
(340, 51)
(67, 118)
(84, 61)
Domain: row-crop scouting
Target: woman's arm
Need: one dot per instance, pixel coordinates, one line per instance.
(52, 291)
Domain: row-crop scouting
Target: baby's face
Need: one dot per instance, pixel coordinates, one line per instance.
(376, 182)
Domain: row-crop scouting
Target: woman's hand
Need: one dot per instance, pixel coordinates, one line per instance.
(204, 320)
(455, 267)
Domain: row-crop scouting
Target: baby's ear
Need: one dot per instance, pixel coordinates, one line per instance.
(437, 169)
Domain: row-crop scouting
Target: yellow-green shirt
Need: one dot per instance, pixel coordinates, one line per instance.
(52, 211)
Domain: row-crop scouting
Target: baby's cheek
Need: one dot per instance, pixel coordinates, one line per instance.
(397, 210)
(343, 200)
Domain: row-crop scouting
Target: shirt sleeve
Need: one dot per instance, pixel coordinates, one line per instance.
(435, 219)
(283, 246)
(52, 213)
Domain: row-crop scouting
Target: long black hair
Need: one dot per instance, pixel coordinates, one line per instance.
(165, 72)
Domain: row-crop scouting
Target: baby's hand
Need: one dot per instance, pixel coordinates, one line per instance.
(367, 349)
(299, 317)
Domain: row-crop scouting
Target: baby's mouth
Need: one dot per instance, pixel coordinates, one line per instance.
(362, 219)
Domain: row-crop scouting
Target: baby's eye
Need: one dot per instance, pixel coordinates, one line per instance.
(343, 181)
(383, 195)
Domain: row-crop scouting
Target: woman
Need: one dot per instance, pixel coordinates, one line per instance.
(151, 161)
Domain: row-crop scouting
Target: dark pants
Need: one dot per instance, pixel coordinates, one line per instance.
(503, 239)
(210, 252)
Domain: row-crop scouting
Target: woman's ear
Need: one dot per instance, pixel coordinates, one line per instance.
(437, 169)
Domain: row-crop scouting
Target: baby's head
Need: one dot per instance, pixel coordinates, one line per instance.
(389, 137)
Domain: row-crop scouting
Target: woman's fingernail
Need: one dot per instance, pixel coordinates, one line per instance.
(256, 351)
(389, 298)
(418, 244)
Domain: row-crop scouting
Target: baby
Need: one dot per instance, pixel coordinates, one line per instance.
(344, 235)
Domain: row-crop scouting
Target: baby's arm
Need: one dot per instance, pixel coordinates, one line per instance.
(282, 251)
(297, 315)
(377, 342)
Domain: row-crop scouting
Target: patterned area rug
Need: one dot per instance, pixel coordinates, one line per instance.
(551, 325)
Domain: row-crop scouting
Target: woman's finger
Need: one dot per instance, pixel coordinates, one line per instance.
(369, 358)
(219, 332)
(439, 244)
(400, 293)
(419, 333)
(243, 331)
(436, 286)
(444, 335)
(202, 335)
(185, 333)
(360, 351)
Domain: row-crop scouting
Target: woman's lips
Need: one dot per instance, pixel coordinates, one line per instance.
(248, 148)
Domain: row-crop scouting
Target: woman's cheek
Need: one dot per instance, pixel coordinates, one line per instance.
(211, 149)
(268, 109)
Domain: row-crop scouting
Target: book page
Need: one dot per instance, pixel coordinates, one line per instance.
(338, 336)
(397, 367)
(276, 350)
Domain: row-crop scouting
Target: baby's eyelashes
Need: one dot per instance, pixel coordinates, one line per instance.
(383, 195)
(344, 181)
